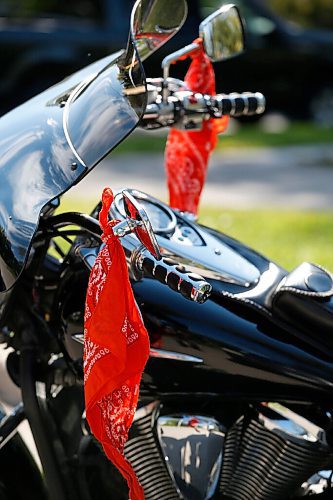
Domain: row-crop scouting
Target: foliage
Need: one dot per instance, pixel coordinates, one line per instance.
(307, 13)
(310, 13)
(31, 8)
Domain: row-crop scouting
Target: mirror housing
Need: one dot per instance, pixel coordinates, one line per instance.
(222, 33)
(138, 222)
(154, 22)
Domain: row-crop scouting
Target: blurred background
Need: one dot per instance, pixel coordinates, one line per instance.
(270, 181)
(289, 48)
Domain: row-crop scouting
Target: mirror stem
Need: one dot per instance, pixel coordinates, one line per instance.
(172, 58)
(126, 227)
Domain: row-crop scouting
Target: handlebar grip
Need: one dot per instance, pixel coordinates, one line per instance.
(169, 272)
(246, 104)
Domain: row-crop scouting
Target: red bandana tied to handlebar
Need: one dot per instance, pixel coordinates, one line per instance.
(187, 152)
(116, 349)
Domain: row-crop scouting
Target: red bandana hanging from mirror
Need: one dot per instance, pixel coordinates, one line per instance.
(116, 349)
(187, 152)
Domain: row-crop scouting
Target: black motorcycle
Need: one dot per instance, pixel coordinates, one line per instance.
(235, 400)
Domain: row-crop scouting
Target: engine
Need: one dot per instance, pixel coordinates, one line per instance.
(271, 453)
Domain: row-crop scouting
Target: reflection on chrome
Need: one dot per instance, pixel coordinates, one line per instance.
(279, 419)
(150, 29)
(317, 483)
(192, 446)
(176, 356)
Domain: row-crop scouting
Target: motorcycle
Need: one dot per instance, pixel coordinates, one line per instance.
(235, 401)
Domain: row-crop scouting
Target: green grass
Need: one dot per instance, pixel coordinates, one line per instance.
(245, 136)
(294, 134)
(287, 238)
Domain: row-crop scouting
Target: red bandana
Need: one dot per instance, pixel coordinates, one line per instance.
(116, 349)
(187, 152)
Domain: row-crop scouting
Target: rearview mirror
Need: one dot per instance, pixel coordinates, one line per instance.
(138, 218)
(154, 22)
(222, 33)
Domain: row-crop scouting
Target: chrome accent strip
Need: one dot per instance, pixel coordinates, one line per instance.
(291, 424)
(154, 352)
(246, 103)
(78, 337)
(176, 356)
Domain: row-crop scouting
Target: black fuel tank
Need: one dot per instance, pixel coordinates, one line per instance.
(232, 345)
(223, 347)
(239, 351)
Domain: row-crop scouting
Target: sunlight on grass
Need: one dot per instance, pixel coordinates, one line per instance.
(250, 135)
(287, 238)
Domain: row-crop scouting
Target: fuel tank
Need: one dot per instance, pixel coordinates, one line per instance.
(225, 348)
(233, 345)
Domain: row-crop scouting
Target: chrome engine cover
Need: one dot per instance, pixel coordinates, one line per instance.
(270, 455)
(192, 446)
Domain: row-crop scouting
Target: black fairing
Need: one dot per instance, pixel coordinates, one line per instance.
(50, 142)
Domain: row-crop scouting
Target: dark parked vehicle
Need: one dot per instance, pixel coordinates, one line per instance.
(43, 43)
(292, 66)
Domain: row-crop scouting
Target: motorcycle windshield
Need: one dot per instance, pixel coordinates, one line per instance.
(52, 141)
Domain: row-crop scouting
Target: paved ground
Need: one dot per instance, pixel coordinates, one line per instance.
(291, 177)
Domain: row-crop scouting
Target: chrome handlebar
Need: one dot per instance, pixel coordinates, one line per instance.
(169, 272)
(187, 110)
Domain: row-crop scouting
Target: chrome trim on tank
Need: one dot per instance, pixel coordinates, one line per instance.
(142, 197)
(78, 337)
(154, 352)
(176, 356)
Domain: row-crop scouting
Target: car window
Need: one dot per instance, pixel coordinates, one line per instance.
(28, 9)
